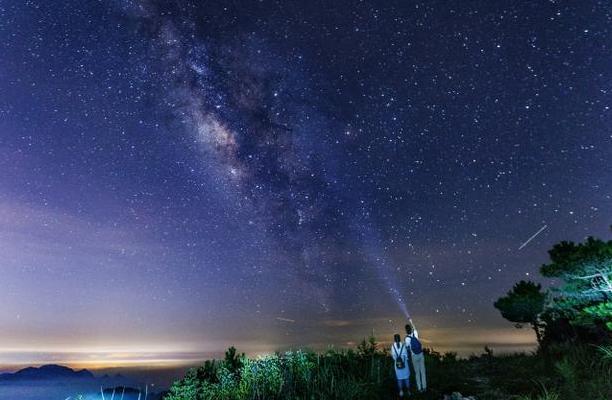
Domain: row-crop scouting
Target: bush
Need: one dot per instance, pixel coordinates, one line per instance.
(568, 372)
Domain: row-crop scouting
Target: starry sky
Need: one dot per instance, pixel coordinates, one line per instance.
(180, 176)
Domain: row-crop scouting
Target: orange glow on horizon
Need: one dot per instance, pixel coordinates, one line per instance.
(464, 341)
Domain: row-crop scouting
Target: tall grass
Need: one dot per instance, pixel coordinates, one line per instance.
(573, 372)
(291, 375)
(569, 372)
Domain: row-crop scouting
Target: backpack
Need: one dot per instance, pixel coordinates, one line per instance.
(399, 361)
(415, 345)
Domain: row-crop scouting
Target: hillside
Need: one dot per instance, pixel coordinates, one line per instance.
(46, 372)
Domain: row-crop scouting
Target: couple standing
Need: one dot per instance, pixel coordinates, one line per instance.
(399, 352)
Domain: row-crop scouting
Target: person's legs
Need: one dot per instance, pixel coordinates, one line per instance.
(419, 370)
(423, 374)
(400, 387)
(417, 364)
(407, 384)
(401, 384)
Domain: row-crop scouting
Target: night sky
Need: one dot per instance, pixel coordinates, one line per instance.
(180, 176)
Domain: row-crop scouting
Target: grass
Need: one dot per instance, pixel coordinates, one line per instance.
(563, 373)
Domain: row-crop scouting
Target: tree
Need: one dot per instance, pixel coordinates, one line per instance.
(368, 347)
(586, 271)
(523, 305)
(233, 360)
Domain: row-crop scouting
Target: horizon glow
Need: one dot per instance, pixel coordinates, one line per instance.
(464, 341)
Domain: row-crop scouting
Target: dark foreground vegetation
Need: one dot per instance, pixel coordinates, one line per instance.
(565, 373)
(572, 322)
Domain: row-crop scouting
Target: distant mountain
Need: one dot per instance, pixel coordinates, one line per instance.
(46, 372)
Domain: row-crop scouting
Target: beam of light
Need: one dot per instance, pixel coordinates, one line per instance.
(285, 319)
(533, 237)
(372, 245)
(384, 270)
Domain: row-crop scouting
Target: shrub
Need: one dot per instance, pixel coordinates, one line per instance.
(568, 372)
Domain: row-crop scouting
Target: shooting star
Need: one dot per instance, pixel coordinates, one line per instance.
(285, 319)
(533, 236)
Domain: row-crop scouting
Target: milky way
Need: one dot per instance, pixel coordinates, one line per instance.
(247, 110)
(185, 176)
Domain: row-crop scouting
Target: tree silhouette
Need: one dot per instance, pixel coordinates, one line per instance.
(368, 347)
(523, 305)
(233, 360)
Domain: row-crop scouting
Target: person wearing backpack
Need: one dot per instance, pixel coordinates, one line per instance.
(417, 356)
(400, 361)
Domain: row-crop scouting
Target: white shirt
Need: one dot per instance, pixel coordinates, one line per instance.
(398, 351)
